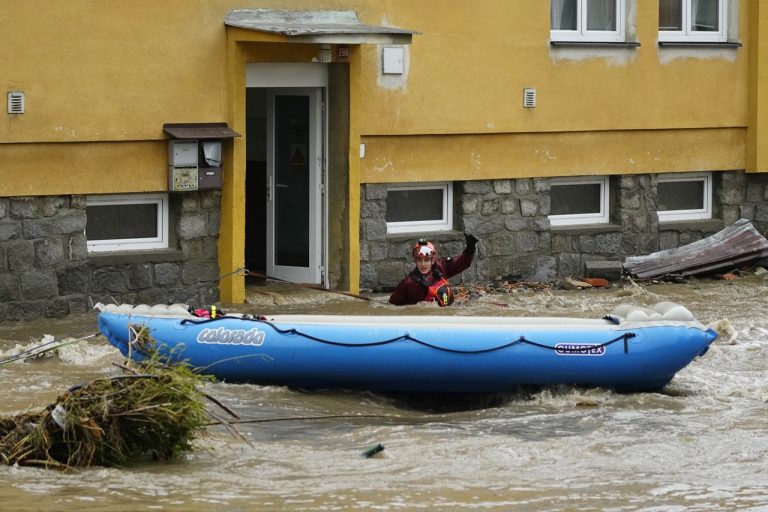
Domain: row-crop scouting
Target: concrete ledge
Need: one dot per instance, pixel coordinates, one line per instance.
(610, 270)
(135, 257)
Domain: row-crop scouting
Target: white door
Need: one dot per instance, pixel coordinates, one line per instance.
(294, 181)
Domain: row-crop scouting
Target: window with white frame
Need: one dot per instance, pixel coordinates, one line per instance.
(127, 222)
(579, 201)
(587, 20)
(693, 21)
(419, 207)
(684, 196)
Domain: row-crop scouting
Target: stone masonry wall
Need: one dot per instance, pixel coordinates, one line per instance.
(46, 270)
(510, 217)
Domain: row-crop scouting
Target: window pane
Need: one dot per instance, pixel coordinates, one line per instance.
(704, 15)
(121, 221)
(562, 15)
(680, 195)
(601, 15)
(292, 179)
(414, 205)
(670, 14)
(575, 199)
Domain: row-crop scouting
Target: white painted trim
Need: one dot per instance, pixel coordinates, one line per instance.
(133, 244)
(268, 74)
(601, 217)
(581, 34)
(688, 35)
(696, 214)
(444, 224)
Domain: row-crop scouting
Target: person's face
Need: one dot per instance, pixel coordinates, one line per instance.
(424, 265)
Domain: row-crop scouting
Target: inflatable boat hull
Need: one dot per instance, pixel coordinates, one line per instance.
(419, 353)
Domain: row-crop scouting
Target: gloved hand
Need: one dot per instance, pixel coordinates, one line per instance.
(471, 242)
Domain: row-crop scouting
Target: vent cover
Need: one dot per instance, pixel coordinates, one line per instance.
(15, 102)
(529, 97)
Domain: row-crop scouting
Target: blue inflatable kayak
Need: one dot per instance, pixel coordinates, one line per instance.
(632, 349)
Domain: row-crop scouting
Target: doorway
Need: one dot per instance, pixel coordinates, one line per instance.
(285, 203)
(294, 184)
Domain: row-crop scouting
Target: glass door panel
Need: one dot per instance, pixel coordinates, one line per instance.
(293, 179)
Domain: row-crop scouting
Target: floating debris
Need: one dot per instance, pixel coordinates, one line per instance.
(596, 282)
(49, 347)
(374, 451)
(469, 291)
(570, 283)
(151, 412)
(737, 245)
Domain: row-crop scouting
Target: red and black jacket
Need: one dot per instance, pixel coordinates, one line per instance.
(415, 287)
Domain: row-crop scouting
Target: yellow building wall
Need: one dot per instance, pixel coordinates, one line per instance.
(101, 79)
(96, 71)
(757, 138)
(469, 67)
(603, 110)
(83, 168)
(499, 156)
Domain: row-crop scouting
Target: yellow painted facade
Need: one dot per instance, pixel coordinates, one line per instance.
(757, 142)
(101, 79)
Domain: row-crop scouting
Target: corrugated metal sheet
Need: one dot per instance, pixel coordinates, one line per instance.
(317, 26)
(737, 245)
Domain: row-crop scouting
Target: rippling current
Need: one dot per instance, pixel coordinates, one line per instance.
(702, 444)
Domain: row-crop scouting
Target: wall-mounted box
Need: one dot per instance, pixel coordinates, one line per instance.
(183, 179)
(392, 58)
(194, 155)
(182, 153)
(187, 179)
(209, 178)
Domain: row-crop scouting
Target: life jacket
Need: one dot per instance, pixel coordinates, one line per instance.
(438, 291)
(206, 312)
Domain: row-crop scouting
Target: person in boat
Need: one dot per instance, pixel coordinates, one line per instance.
(429, 280)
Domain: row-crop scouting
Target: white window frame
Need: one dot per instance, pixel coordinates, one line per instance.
(581, 34)
(696, 214)
(572, 219)
(444, 224)
(688, 35)
(133, 244)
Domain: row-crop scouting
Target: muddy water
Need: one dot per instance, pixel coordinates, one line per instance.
(700, 445)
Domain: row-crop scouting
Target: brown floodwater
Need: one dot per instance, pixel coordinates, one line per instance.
(702, 444)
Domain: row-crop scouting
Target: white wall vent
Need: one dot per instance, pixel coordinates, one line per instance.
(15, 102)
(529, 97)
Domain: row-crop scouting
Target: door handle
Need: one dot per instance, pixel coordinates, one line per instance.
(269, 188)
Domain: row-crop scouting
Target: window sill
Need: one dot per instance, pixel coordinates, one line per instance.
(593, 44)
(128, 257)
(585, 229)
(695, 44)
(432, 236)
(712, 225)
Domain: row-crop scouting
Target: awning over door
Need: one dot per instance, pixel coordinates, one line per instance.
(199, 131)
(335, 27)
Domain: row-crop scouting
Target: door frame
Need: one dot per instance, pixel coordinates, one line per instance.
(300, 76)
(313, 273)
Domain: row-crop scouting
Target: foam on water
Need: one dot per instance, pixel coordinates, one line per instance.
(699, 444)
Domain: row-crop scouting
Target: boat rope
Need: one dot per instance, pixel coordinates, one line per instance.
(564, 347)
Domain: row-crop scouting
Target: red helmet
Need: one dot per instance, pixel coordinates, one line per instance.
(424, 249)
